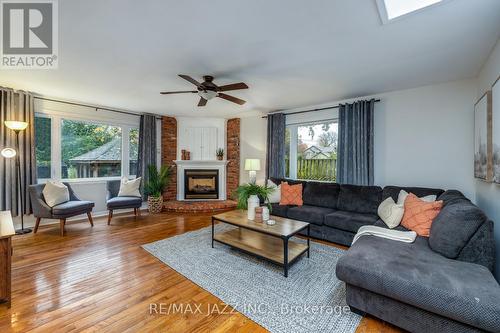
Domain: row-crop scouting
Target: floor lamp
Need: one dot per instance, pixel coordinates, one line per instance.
(17, 126)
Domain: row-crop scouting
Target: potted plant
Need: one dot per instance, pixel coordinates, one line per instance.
(249, 195)
(158, 180)
(220, 154)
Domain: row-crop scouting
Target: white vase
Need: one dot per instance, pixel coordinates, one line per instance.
(253, 202)
(265, 213)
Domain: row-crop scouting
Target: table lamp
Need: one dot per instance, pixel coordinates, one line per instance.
(17, 126)
(252, 165)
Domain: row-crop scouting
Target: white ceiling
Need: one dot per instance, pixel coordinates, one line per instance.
(291, 53)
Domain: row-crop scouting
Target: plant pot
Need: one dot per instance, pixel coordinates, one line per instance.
(220, 158)
(155, 204)
(253, 202)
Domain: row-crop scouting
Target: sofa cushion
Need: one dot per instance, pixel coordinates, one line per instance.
(349, 221)
(130, 187)
(287, 180)
(291, 194)
(55, 193)
(415, 275)
(390, 212)
(382, 224)
(452, 196)
(359, 199)
(311, 214)
(275, 195)
(315, 231)
(454, 226)
(279, 210)
(337, 236)
(393, 191)
(321, 194)
(481, 247)
(419, 214)
(72, 207)
(124, 202)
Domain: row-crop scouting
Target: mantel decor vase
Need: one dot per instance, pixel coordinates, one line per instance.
(253, 202)
(155, 204)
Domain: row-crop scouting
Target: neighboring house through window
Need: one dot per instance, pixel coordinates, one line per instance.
(84, 149)
(311, 150)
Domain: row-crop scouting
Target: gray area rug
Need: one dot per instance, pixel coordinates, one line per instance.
(311, 299)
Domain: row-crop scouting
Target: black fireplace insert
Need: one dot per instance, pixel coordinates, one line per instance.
(201, 184)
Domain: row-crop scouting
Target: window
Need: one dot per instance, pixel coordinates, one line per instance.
(90, 150)
(43, 149)
(311, 151)
(391, 9)
(76, 149)
(133, 150)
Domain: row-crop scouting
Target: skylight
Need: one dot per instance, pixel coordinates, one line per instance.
(391, 9)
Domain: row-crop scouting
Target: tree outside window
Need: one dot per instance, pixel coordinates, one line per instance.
(90, 150)
(314, 156)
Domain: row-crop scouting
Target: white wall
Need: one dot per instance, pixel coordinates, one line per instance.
(253, 137)
(423, 136)
(488, 194)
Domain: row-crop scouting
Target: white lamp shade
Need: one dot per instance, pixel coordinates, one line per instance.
(16, 125)
(252, 164)
(8, 152)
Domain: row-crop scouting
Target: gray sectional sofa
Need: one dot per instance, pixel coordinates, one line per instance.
(438, 284)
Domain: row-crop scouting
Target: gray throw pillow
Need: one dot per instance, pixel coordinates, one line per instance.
(454, 226)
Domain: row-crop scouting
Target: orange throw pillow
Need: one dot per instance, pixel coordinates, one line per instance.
(419, 214)
(291, 194)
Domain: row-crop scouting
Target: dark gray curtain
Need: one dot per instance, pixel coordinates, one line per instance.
(17, 105)
(355, 145)
(147, 146)
(275, 161)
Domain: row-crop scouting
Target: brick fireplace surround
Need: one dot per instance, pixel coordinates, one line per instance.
(169, 154)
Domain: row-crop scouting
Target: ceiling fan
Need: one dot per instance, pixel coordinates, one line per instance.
(208, 90)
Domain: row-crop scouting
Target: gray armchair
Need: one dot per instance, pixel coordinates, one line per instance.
(113, 201)
(71, 208)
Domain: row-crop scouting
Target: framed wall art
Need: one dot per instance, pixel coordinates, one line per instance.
(483, 158)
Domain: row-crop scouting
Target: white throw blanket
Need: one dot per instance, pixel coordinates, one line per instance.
(400, 236)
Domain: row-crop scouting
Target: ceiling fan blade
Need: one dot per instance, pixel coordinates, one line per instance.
(233, 86)
(202, 102)
(231, 99)
(190, 79)
(178, 92)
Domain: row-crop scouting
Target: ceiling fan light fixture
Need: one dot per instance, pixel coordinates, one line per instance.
(207, 94)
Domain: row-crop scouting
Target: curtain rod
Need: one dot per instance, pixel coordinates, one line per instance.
(89, 106)
(312, 110)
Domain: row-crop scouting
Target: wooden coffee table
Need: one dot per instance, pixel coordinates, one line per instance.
(269, 242)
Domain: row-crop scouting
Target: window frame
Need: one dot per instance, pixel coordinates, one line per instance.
(384, 13)
(56, 146)
(294, 140)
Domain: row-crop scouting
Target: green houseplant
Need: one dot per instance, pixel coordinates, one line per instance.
(248, 197)
(158, 180)
(220, 154)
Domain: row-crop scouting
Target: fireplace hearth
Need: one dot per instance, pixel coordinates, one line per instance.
(201, 184)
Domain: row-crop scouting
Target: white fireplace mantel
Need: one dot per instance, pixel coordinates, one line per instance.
(201, 165)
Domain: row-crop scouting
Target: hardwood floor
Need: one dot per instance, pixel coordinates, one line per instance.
(99, 279)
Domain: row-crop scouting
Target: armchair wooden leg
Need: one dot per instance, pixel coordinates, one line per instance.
(62, 222)
(135, 211)
(110, 215)
(37, 223)
(89, 214)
